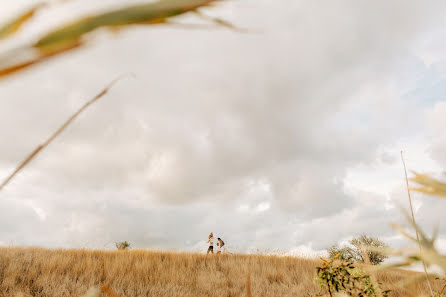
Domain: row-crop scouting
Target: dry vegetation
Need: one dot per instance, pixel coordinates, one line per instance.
(42, 272)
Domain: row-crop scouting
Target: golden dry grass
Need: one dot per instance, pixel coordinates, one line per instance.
(42, 272)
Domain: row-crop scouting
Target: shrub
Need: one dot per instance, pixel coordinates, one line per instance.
(123, 245)
(336, 276)
(355, 253)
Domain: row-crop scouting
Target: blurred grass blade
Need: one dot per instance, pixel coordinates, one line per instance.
(429, 254)
(151, 13)
(13, 26)
(422, 239)
(42, 146)
(403, 232)
(220, 22)
(429, 185)
(70, 36)
(35, 59)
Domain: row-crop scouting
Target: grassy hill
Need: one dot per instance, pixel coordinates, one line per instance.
(44, 272)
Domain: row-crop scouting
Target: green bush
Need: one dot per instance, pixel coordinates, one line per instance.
(335, 276)
(123, 245)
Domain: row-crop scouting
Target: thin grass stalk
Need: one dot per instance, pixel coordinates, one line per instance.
(248, 283)
(414, 223)
(39, 148)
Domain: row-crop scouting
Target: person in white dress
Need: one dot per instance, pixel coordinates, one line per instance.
(211, 244)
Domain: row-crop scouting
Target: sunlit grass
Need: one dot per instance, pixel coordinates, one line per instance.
(43, 272)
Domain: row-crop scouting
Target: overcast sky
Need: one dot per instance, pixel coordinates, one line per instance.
(284, 138)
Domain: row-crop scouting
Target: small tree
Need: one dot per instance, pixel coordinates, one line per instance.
(123, 245)
(359, 246)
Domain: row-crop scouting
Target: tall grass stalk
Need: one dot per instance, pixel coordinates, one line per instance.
(42, 146)
(414, 223)
(248, 283)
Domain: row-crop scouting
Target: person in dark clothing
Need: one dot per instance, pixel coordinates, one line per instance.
(220, 246)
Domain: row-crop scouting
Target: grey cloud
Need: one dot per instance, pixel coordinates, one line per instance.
(208, 113)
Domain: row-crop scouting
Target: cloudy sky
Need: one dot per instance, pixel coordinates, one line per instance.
(287, 137)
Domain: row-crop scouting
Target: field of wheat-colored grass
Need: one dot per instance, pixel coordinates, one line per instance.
(43, 272)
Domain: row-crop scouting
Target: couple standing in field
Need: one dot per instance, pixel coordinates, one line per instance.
(220, 245)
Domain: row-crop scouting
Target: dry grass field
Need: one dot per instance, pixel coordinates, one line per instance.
(43, 272)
